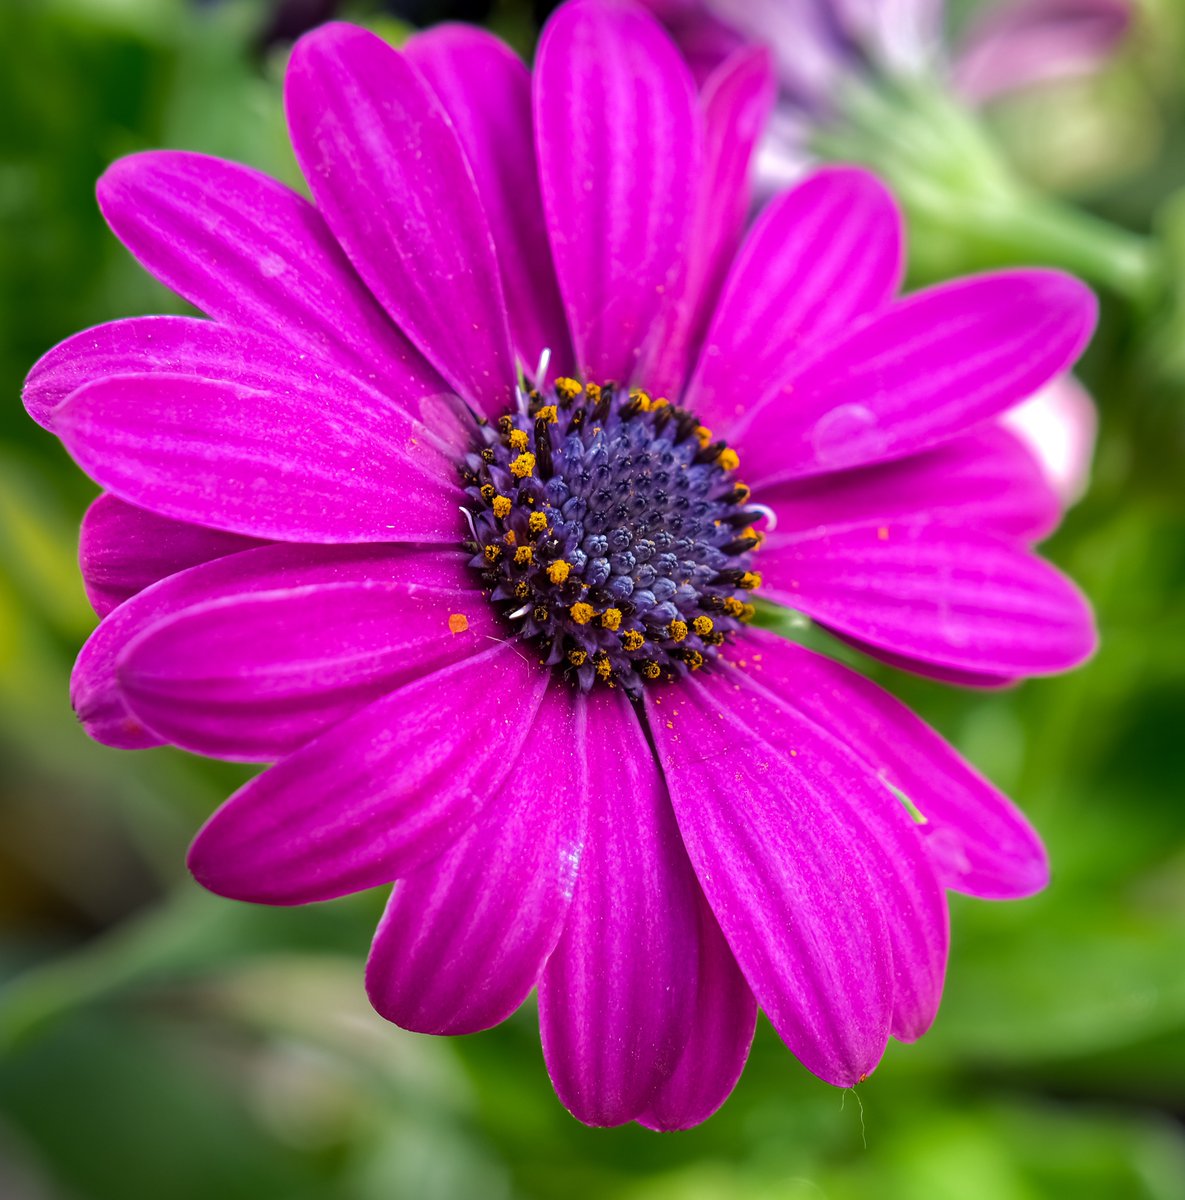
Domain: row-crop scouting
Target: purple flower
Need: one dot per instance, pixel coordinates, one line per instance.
(821, 47)
(490, 621)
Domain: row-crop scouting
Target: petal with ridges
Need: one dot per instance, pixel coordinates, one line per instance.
(249, 251)
(788, 879)
(486, 90)
(819, 256)
(616, 998)
(123, 549)
(255, 677)
(925, 369)
(94, 691)
(980, 841)
(388, 173)
(952, 596)
(619, 138)
(299, 463)
(725, 1016)
(986, 480)
(736, 102)
(464, 940)
(913, 900)
(379, 795)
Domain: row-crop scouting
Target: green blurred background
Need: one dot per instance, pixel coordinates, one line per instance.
(159, 1043)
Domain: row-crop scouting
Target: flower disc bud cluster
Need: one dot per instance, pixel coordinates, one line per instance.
(611, 529)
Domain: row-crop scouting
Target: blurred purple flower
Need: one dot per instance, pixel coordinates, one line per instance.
(820, 44)
(544, 715)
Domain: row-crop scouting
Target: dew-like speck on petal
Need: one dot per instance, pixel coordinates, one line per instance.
(846, 434)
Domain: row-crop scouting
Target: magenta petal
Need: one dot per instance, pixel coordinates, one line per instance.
(255, 677)
(929, 670)
(388, 173)
(94, 690)
(819, 256)
(951, 596)
(486, 90)
(980, 842)
(379, 795)
(794, 885)
(924, 370)
(181, 345)
(986, 480)
(249, 251)
(313, 461)
(725, 1016)
(616, 1000)
(209, 350)
(123, 549)
(736, 103)
(463, 940)
(915, 905)
(619, 141)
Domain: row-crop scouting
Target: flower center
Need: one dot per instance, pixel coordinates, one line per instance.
(611, 531)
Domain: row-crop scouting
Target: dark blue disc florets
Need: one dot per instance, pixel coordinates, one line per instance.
(611, 531)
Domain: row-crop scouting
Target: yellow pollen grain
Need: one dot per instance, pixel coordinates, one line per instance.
(524, 555)
(660, 402)
(748, 612)
(702, 625)
(517, 439)
(509, 537)
(458, 622)
(537, 522)
(547, 413)
(594, 391)
(728, 459)
(492, 553)
(633, 639)
(501, 506)
(652, 671)
(582, 613)
(488, 492)
(577, 657)
(567, 389)
(733, 606)
(677, 630)
(641, 398)
(750, 580)
(703, 435)
(522, 466)
(559, 571)
(611, 619)
(694, 659)
(603, 665)
(522, 589)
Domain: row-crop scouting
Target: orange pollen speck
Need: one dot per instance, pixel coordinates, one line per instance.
(458, 622)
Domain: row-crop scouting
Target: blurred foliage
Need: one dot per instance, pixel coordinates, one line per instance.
(158, 1042)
